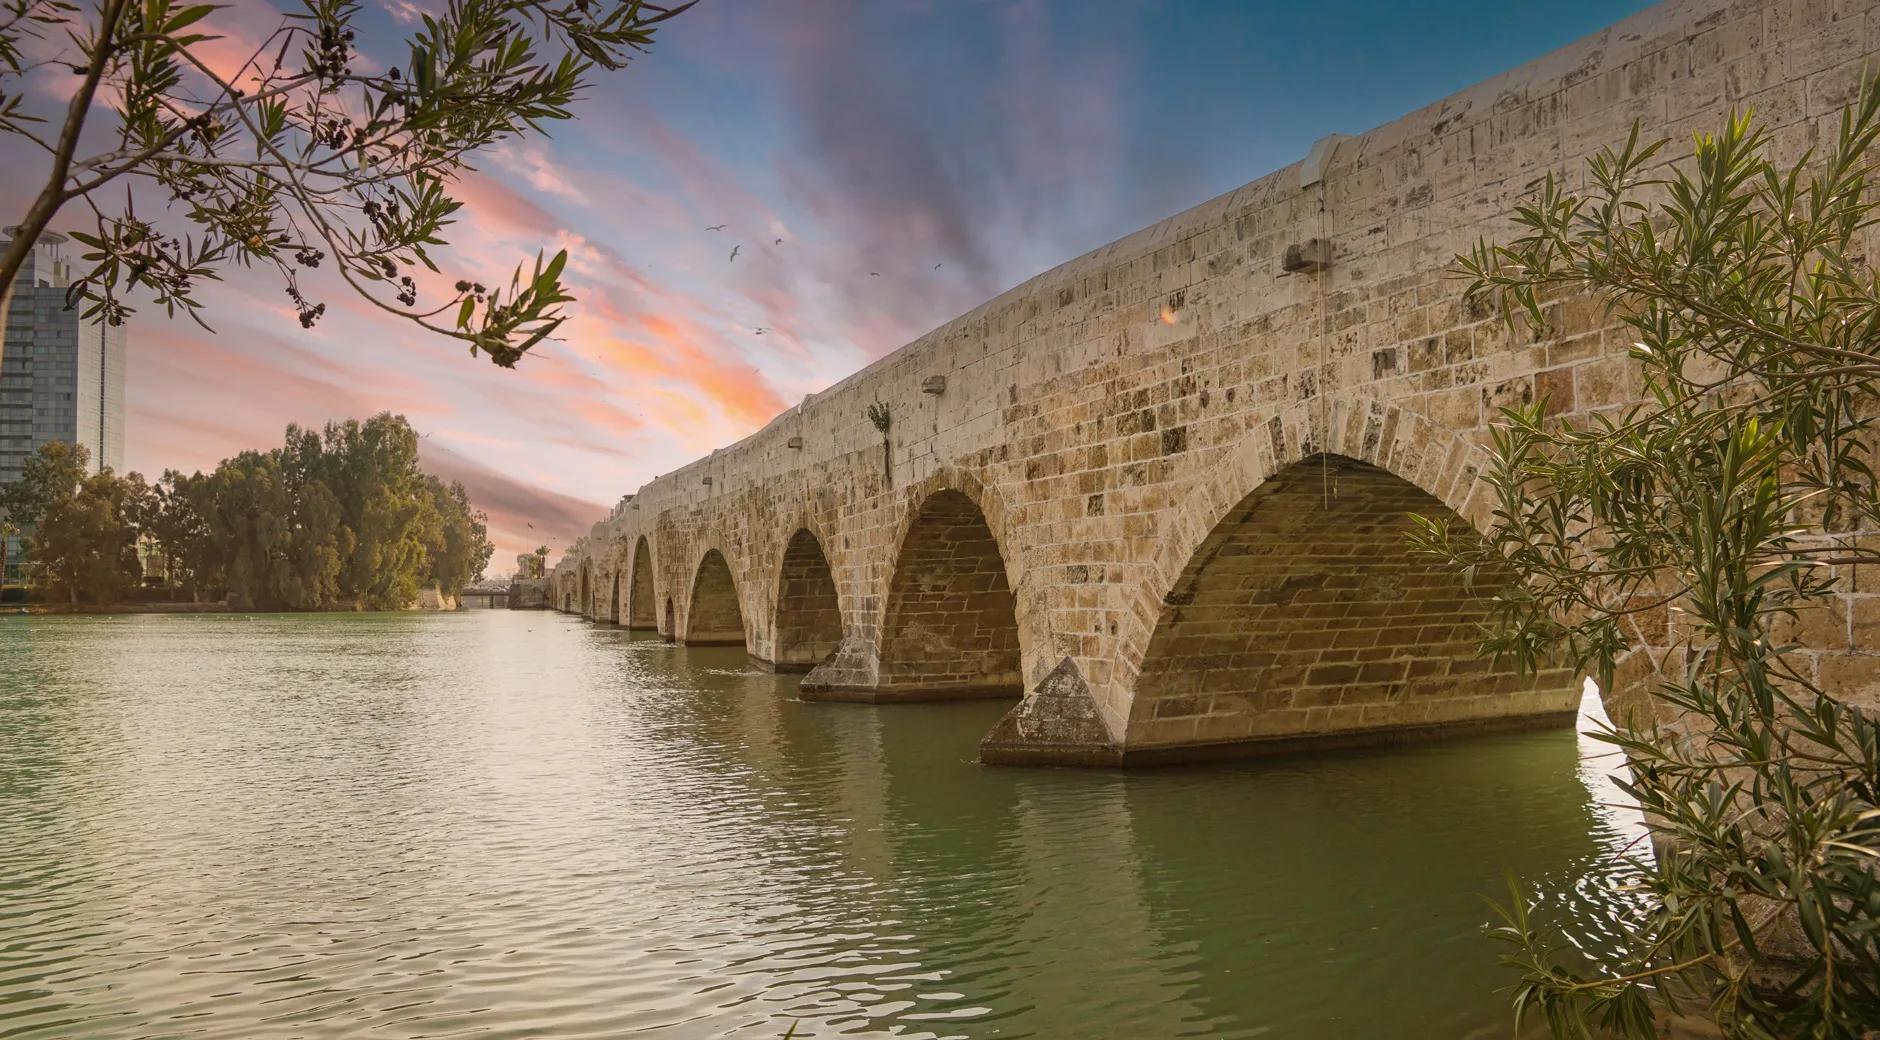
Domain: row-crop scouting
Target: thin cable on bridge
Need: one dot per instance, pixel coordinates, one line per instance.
(1325, 421)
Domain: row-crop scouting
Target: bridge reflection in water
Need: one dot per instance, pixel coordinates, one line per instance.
(1323, 895)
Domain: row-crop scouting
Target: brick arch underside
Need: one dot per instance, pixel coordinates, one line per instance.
(809, 614)
(639, 609)
(714, 617)
(951, 626)
(1305, 613)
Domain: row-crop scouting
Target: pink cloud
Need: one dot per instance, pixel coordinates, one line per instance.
(522, 515)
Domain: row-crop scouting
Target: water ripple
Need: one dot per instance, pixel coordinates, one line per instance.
(500, 824)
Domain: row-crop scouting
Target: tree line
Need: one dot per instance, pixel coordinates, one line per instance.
(337, 519)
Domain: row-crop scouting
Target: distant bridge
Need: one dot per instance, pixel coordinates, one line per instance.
(484, 596)
(1157, 495)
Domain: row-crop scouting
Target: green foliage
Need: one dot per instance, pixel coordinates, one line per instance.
(1697, 527)
(275, 535)
(462, 547)
(180, 531)
(48, 475)
(883, 420)
(8, 529)
(83, 526)
(341, 519)
(306, 152)
(87, 539)
(532, 564)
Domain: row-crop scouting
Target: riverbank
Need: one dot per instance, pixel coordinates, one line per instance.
(115, 608)
(429, 600)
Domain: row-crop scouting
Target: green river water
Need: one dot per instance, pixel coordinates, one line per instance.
(497, 824)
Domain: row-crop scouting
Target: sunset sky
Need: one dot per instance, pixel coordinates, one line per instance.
(995, 138)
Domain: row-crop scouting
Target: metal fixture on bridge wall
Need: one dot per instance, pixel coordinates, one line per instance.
(935, 385)
(794, 442)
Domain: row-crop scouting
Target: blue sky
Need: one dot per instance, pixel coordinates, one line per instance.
(995, 138)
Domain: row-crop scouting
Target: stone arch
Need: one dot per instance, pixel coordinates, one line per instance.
(639, 612)
(1435, 459)
(713, 614)
(586, 596)
(950, 623)
(613, 599)
(808, 621)
(1303, 615)
(854, 672)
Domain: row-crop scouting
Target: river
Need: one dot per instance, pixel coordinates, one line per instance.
(503, 824)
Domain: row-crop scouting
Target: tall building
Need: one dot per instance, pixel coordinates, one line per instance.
(61, 376)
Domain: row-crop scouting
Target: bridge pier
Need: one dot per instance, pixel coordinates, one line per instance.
(852, 675)
(853, 669)
(1057, 724)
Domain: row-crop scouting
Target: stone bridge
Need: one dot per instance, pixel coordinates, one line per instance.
(1157, 496)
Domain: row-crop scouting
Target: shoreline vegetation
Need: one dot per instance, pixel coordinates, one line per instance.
(35, 609)
(44, 609)
(340, 519)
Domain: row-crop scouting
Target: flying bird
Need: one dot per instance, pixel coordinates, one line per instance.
(531, 527)
(734, 252)
(874, 274)
(780, 241)
(937, 266)
(761, 329)
(716, 227)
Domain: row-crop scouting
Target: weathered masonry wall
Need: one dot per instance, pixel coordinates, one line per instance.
(714, 617)
(1160, 489)
(951, 624)
(1302, 613)
(809, 613)
(640, 610)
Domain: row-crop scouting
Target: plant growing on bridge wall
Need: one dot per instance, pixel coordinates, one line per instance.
(1717, 520)
(879, 415)
(306, 149)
